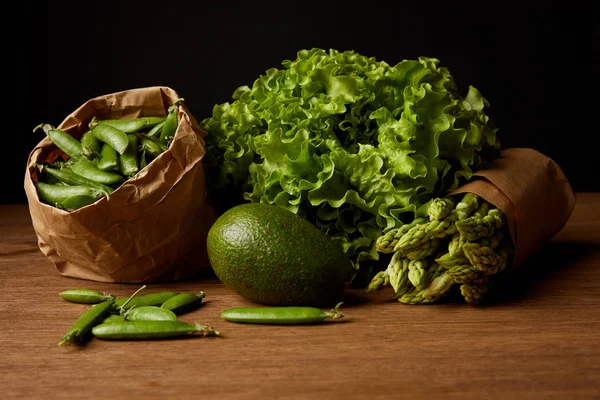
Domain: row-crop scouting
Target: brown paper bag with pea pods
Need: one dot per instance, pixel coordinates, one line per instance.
(154, 226)
(532, 191)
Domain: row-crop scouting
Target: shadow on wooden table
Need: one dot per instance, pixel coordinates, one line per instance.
(554, 265)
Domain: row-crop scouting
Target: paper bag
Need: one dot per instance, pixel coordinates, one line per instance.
(154, 226)
(532, 191)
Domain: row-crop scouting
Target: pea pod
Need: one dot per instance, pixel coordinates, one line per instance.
(109, 158)
(61, 139)
(85, 296)
(71, 178)
(149, 313)
(128, 162)
(115, 138)
(91, 145)
(67, 197)
(89, 170)
(150, 147)
(155, 131)
(86, 322)
(183, 302)
(147, 137)
(146, 330)
(171, 122)
(280, 315)
(152, 299)
(128, 125)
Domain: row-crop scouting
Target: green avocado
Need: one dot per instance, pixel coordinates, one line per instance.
(270, 255)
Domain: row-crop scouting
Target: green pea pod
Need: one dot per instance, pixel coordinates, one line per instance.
(115, 138)
(155, 131)
(85, 296)
(86, 322)
(152, 299)
(91, 145)
(61, 139)
(67, 197)
(149, 313)
(280, 315)
(151, 122)
(171, 122)
(113, 318)
(109, 158)
(163, 147)
(146, 330)
(128, 162)
(143, 160)
(183, 302)
(71, 178)
(88, 169)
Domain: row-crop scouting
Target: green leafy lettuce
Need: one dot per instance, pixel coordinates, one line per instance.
(356, 146)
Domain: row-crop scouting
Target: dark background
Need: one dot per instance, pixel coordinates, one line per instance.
(536, 65)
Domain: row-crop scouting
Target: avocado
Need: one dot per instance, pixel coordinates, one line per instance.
(270, 255)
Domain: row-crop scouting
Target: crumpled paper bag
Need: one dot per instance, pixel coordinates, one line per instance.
(532, 191)
(154, 226)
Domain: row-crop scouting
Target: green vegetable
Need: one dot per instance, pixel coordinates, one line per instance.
(67, 143)
(89, 170)
(354, 145)
(155, 131)
(152, 299)
(91, 145)
(109, 159)
(171, 121)
(467, 244)
(145, 330)
(128, 161)
(67, 197)
(84, 324)
(183, 302)
(280, 315)
(271, 256)
(115, 138)
(149, 313)
(85, 296)
(67, 176)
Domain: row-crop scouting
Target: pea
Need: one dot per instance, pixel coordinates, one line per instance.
(128, 163)
(155, 131)
(149, 313)
(280, 315)
(144, 330)
(88, 169)
(109, 158)
(183, 302)
(91, 145)
(61, 139)
(163, 147)
(115, 138)
(153, 299)
(67, 176)
(171, 122)
(67, 197)
(86, 296)
(113, 318)
(86, 322)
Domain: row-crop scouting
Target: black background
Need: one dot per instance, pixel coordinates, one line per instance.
(536, 65)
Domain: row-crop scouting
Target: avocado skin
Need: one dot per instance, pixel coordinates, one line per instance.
(271, 256)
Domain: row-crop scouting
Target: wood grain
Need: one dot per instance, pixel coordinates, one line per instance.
(538, 340)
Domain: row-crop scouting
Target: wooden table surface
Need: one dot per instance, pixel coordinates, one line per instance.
(539, 340)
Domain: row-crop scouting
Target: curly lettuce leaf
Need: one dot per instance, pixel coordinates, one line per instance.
(354, 145)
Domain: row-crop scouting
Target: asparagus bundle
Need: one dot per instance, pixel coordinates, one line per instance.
(465, 243)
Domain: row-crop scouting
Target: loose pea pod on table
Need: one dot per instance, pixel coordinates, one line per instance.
(183, 302)
(288, 315)
(147, 330)
(86, 296)
(149, 313)
(80, 330)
